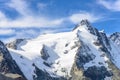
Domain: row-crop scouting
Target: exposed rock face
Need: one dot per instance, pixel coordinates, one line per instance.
(7, 64)
(44, 53)
(78, 71)
(45, 76)
(85, 55)
(97, 73)
(3, 77)
(115, 37)
(14, 44)
(11, 76)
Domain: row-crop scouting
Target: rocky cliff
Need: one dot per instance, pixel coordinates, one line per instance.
(8, 67)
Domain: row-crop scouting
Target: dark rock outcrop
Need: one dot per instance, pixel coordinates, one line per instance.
(11, 76)
(44, 53)
(43, 75)
(97, 73)
(84, 55)
(7, 64)
(14, 44)
(115, 37)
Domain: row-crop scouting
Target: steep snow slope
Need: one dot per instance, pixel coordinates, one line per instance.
(60, 54)
(89, 39)
(57, 53)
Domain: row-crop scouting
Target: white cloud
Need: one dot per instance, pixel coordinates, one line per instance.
(32, 21)
(77, 17)
(10, 39)
(7, 31)
(42, 5)
(2, 17)
(111, 5)
(29, 33)
(21, 34)
(20, 5)
(28, 19)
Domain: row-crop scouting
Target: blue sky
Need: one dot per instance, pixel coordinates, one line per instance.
(30, 18)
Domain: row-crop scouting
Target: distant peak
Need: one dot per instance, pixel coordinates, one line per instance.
(116, 34)
(115, 37)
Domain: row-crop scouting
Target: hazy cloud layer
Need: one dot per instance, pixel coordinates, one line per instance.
(77, 17)
(7, 31)
(113, 5)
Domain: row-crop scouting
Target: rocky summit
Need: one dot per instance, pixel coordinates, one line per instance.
(85, 53)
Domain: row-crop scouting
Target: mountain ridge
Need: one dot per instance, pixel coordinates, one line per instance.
(81, 54)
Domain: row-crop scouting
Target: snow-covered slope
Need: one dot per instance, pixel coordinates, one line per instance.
(57, 46)
(59, 54)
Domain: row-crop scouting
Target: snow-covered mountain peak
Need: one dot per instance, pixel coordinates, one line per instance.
(83, 24)
(82, 53)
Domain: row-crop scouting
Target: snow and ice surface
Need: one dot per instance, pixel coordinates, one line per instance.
(61, 56)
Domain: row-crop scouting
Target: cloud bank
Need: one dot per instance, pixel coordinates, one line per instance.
(28, 19)
(77, 17)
